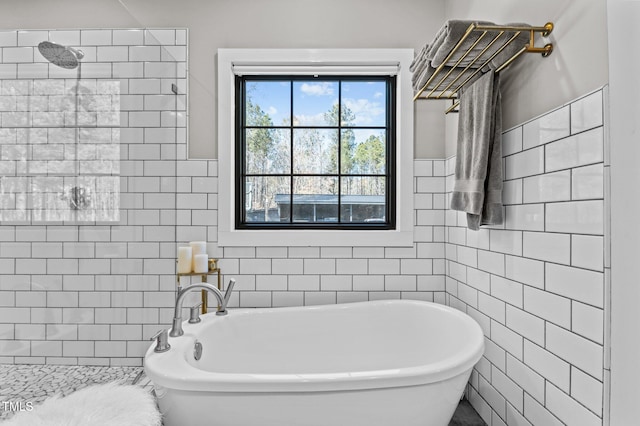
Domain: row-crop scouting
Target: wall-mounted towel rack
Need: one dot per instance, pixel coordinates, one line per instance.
(477, 51)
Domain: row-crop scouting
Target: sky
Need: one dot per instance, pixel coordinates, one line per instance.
(311, 99)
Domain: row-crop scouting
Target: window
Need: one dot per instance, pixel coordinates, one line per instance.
(299, 166)
(290, 173)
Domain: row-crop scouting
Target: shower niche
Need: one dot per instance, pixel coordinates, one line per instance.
(72, 103)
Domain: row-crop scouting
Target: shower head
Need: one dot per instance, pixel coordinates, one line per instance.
(62, 56)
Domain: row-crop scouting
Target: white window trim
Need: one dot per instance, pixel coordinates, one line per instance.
(338, 61)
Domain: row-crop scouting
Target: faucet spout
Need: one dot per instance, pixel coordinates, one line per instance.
(176, 330)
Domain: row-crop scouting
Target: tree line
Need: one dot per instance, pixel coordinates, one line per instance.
(268, 152)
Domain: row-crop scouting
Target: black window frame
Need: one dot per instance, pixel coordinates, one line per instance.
(390, 155)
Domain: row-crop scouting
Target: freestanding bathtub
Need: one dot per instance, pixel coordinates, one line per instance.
(397, 362)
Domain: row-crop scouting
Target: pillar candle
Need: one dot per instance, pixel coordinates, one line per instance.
(197, 247)
(200, 263)
(185, 255)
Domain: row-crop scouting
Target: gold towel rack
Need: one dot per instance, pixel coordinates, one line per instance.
(449, 90)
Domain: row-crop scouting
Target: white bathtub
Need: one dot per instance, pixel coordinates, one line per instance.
(397, 362)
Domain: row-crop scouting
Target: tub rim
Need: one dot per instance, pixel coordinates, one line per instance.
(161, 367)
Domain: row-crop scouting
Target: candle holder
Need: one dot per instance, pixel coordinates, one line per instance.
(213, 270)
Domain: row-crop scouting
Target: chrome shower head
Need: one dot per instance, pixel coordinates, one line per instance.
(62, 56)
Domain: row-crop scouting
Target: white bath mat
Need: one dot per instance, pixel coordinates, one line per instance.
(109, 404)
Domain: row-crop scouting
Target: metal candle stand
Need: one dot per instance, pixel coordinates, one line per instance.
(213, 269)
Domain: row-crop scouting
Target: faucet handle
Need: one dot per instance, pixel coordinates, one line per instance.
(162, 341)
(222, 310)
(227, 293)
(194, 315)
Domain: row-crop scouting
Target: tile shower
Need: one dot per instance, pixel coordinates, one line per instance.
(89, 286)
(87, 188)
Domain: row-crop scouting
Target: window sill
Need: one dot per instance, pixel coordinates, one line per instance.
(305, 238)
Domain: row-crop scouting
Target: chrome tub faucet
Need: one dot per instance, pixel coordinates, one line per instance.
(176, 330)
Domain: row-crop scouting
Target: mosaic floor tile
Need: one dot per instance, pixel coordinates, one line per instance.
(35, 383)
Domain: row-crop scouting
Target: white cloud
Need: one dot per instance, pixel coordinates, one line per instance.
(310, 120)
(366, 112)
(272, 110)
(318, 89)
(378, 95)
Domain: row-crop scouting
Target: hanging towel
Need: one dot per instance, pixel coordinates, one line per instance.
(478, 177)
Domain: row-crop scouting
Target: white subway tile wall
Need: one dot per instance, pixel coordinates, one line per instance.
(295, 276)
(93, 293)
(89, 286)
(131, 283)
(537, 287)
